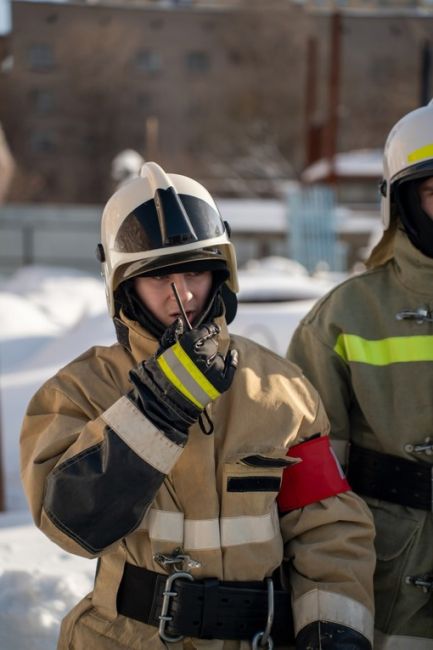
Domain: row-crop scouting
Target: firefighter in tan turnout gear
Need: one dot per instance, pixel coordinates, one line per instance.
(368, 348)
(194, 464)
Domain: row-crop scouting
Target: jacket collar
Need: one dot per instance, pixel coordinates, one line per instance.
(414, 269)
(142, 344)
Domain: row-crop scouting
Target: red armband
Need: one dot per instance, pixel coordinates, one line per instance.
(318, 475)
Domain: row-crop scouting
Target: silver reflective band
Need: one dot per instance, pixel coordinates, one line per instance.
(209, 534)
(141, 435)
(249, 529)
(185, 378)
(318, 605)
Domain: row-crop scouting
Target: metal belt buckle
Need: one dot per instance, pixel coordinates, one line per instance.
(168, 593)
(263, 638)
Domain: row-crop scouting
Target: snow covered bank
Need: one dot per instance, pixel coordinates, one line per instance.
(39, 584)
(48, 316)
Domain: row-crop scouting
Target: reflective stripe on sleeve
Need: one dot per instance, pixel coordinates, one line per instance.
(124, 418)
(208, 534)
(163, 525)
(318, 605)
(182, 372)
(383, 352)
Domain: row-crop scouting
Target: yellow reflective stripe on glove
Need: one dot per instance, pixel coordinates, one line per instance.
(182, 372)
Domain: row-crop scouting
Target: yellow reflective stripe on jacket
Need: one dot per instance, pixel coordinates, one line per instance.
(182, 372)
(419, 154)
(396, 349)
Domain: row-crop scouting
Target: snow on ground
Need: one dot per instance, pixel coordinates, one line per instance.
(39, 583)
(49, 316)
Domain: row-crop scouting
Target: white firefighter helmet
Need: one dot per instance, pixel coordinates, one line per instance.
(126, 165)
(160, 220)
(408, 155)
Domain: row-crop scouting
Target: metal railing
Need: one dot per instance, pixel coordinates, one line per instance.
(49, 234)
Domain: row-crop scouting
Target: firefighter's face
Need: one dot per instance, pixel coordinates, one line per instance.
(157, 294)
(425, 191)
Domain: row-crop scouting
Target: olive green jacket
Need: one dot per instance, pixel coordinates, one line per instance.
(374, 372)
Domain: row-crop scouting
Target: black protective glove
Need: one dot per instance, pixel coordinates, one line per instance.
(173, 387)
(330, 636)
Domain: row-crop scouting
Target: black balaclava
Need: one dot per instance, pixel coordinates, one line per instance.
(416, 223)
(220, 297)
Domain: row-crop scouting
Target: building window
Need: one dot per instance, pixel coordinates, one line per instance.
(42, 100)
(197, 61)
(148, 61)
(41, 57)
(43, 142)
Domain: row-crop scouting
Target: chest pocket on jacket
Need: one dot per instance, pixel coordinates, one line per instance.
(251, 485)
(258, 482)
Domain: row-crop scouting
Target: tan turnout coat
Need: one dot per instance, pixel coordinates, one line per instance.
(270, 406)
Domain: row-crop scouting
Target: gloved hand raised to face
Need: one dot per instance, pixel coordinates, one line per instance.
(175, 385)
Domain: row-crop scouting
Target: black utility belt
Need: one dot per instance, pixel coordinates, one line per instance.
(390, 478)
(181, 606)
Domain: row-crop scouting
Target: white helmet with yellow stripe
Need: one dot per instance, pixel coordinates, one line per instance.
(408, 155)
(157, 221)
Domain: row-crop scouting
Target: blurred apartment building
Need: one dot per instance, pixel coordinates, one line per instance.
(369, 4)
(239, 95)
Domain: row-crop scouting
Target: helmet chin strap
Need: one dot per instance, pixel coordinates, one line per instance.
(416, 223)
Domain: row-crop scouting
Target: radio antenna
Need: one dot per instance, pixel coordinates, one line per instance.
(181, 307)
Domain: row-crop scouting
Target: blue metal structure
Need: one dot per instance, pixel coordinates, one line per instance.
(312, 229)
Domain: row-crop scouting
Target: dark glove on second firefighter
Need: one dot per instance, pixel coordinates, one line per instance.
(322, 635)
(173, 387)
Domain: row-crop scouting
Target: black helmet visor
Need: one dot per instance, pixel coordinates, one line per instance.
(165, 222)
